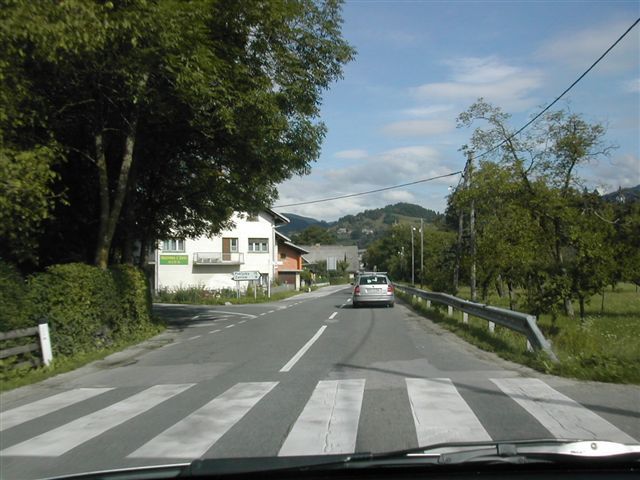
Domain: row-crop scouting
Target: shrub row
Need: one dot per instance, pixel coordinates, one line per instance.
(87, 308)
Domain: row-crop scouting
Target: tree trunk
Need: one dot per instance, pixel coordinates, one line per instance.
(102, 254)
(456, 270)
(510, 285)
(500, 286)
(109, 216)
(568, 308)
(602, 304)
(581, 299)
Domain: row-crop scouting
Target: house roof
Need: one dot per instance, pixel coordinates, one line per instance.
(279, 219)
(287, 241)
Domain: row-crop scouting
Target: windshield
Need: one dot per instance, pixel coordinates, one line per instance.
(304, 228)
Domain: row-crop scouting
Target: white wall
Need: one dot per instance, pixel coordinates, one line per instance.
(217, 276)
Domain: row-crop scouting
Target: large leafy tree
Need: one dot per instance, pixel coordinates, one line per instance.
(531, 216)
(171, 114)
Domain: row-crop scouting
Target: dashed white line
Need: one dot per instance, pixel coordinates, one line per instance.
(229, 326)
(271, 311)
(264, 313)
(241, 321)
(289, 365)
(214, 331)
(333, 315)
(194, 337)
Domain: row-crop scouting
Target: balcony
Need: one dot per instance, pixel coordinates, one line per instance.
(218, 258)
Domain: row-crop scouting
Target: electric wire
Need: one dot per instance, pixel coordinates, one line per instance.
(487, 152)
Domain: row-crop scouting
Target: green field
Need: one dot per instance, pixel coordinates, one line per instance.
(605, 347)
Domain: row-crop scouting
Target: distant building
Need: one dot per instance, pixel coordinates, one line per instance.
(209, 261)
(289, 265)
(332, 254)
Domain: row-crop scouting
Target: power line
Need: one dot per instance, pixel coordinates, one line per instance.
(369, 191)
(561, 95)
(495, 147)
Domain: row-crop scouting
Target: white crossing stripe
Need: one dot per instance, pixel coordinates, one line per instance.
(62, 439)
(195, 434)
(22, 414)
(562, 416)
(440, 414)
(329, 421)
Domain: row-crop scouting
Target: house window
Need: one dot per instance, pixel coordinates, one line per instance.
(173, 245)
(258, 245)
(283, 256)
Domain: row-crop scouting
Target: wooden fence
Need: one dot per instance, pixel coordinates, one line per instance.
(42, 344)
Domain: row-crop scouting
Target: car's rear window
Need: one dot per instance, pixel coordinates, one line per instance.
(373, 280)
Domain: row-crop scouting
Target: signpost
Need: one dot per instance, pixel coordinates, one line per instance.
(247, 276)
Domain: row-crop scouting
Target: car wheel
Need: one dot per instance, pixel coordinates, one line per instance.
(391, 305)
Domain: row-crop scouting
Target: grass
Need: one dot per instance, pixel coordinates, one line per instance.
(605, 347)
(10, 379)
(202, 296)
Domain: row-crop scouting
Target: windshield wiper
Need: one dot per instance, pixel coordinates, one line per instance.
(438, 456)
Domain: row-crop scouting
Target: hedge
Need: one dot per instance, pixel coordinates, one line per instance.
(87, 308)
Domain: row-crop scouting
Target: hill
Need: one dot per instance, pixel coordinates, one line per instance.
(299, 223)
(364, 227)
(631, 194)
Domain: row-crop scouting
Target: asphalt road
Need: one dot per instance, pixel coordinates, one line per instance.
(304, 376)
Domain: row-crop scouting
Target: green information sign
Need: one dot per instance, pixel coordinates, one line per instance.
(174, 259)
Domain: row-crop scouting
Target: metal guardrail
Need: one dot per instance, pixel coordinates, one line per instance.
(43, 345)
(516, 321)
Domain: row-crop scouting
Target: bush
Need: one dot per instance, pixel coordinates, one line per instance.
(81, 304)
(14, 311)
(133, 291)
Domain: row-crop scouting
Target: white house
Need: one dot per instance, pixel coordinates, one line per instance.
(210, 261)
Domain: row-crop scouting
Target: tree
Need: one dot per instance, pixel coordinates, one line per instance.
(176, 112)
(315, 234)
(543, 162)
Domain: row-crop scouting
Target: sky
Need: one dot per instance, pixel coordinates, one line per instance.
(392, 118)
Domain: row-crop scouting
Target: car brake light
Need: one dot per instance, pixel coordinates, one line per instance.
(357, 290)
(389, 288)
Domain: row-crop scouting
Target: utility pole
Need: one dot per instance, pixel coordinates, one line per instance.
(472, 230)
(413, 263)
(421, 252)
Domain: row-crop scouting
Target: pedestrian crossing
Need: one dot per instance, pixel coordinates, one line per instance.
(327, 423)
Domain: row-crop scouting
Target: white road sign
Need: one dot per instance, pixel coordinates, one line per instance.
(246, 276)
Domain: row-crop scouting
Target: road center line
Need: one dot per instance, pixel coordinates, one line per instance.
(229, 326)
(193, 338)
(241, 321)
(332, 316)
(214, 331)
(303, 350)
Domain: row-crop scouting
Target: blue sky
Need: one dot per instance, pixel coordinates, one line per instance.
(391, 119)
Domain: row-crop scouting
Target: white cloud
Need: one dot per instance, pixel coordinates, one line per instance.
(633, 86)
(427, 111)
(390, 167)
(621, 171)
(354, 154)
(418, 128)
(579, 49)
(509, 86)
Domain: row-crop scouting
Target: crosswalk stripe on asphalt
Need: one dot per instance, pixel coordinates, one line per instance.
(329, 421)
(440, 414)
(39, 408)
(195, 434)
(62, 439)
(562, 416)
